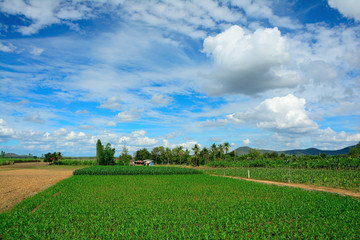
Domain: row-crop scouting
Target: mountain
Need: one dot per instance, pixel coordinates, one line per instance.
(308, 151)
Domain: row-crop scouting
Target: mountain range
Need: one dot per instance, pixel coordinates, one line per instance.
(308, 151)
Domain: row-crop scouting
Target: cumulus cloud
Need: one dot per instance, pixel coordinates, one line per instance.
(348, 8)
(6, 133)
(249, 63)
(279, 114)
(129, 116)
(246, 142)
(111, 124)
(112, 103)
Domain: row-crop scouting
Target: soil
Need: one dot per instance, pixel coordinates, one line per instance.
(22, 180)
(303, 186)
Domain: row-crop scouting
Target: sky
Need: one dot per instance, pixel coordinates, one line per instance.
(266, 74)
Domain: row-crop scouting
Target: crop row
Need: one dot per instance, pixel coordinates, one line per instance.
(134, 170)
(347, 179)
(180, 207)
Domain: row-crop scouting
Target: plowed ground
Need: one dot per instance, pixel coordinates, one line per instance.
(22, 180)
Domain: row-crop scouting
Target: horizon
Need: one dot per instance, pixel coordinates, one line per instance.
(266, 74)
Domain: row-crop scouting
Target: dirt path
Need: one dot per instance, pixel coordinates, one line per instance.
(303, 186)
(22, 180)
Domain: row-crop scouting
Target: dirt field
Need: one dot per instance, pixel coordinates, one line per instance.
(22, 180)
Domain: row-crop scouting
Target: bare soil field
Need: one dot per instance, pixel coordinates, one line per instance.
(22, 180)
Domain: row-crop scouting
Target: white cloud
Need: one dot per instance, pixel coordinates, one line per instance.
(36, 118)
(215, 123)
(249, 63)
(348, 8)
(111, 124)
(86, 127)
(246, 142)
(7, 48)
(129, 116)
(6, 133)
(36, 51)
(81, 112)
(112, 103)
(44, 13)
(161, 99)
(139, 133)
(279, 114)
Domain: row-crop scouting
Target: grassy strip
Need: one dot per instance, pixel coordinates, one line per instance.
(179, 207)
(134, 170)
(346, 179)
(76, 162)
(10, 161)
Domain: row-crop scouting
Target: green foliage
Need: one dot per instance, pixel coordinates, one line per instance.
(124, 158)
(134, 170)
(355, 151)
(99, 151)
(76, 162)
(179, 207)
(142, 154)
(53, 157)
(10, 161)
(2, 155)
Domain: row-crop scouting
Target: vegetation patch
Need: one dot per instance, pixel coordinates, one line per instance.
(180, 207)
(134, 170)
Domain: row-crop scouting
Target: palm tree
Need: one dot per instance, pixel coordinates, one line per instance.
(196, 152)
(168, 153)
(214, 149)
(180, 152)
(205, 153)
(221, 150)
(226, 147)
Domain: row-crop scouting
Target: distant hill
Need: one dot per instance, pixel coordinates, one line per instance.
(308, 151)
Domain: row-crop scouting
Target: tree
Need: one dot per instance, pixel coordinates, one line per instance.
(214, 150)
(142, 154)
(226, 148)
(125, 157)
(2, 154)
(196, 150)
(221, 150)
(205, 153)
(99, 150)
(53, 157)
(168, 154)
(355, 151)
(180, 152)
(107, 155)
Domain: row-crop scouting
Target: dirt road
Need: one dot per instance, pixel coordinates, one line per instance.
(22, 180)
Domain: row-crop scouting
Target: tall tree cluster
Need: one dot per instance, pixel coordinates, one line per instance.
(104, 156)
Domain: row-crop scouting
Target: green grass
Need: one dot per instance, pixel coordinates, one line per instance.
(10, 161)
(134, 170)
(76, 162)
(346, 179)
(179, 207)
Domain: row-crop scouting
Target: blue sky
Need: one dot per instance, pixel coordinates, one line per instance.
(265, 74)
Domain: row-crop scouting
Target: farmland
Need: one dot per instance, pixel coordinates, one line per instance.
(345, 179)
(179, 206)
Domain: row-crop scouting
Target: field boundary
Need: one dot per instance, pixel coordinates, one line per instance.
(339, 191)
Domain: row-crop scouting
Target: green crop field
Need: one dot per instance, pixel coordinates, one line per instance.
(346, 179)
(132, 170)
(195, 206)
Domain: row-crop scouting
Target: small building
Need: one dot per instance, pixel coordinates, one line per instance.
(148, 162)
